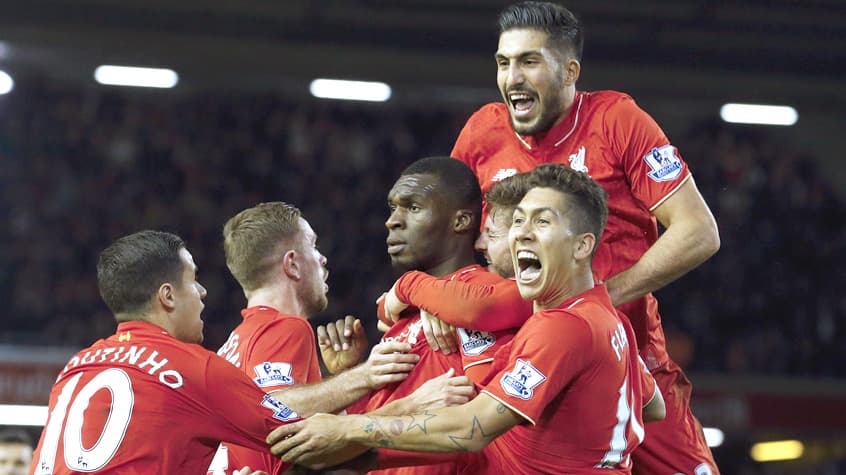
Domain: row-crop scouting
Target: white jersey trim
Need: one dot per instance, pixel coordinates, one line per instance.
(672, 192)
(486, 360)
(524, 416)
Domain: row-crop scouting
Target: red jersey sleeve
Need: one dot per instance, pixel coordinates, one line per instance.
(647, 382)
(247, 413)
(488, 306)
(284, 353)
(540, 364)
(652, 165)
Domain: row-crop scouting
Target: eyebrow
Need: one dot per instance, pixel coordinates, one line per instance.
(537, 210)
(404, 197)
(533, 52)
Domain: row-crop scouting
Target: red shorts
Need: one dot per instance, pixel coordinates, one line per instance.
(677, 444)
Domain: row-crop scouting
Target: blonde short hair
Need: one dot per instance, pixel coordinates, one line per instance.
(254, 240)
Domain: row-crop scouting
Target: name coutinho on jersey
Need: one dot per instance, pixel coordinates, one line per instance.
(133, 355)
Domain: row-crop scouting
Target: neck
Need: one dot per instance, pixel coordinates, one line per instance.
(567, 106)
(575, 286)
(282, 298)
(451, 265)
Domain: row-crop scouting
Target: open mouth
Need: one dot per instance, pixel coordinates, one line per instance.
(528, 266)
(522, 103)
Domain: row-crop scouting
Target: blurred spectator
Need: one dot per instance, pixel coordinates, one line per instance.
(79, 168)
(15, 452)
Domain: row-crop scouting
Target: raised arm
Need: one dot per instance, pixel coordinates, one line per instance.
(469, 427)
(487, 307)
(691, 237)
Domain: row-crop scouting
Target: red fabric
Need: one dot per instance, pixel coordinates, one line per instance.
(607, 133)
(676, 444)
(485, 306)
(169, 429)
(287, 342)
(430, 365)
(572, 374)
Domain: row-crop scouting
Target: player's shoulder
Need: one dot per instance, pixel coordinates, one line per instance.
(606, 98)
(491, 115)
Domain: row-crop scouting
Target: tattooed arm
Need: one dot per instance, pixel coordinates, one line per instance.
(466, 428)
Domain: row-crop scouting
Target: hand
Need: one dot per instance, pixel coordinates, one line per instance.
(439, 334)
(382, 326)
(442, 391)
(388, 363)
(342, 343)
(306, 441)
(393, 305)
(248, 471)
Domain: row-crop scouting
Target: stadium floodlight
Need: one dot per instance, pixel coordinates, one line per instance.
(758, 114)
(350, 90)
(137, 77)
(713, 436)
(777, 450)
(17, 415)
(6, 83)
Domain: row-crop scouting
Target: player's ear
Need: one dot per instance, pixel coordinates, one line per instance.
(166, 296)
(291, 265)
(464, 221)
(572, 69)
(584, 246)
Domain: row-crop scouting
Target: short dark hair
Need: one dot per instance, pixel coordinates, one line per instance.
(15, 436)
(458, 179)
(564, 30)
(507, 193)
(590, 208)
(132, 268)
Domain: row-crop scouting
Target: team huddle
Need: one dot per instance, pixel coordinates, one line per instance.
(550, 359)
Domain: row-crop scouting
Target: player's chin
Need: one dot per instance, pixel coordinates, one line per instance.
(402, 263)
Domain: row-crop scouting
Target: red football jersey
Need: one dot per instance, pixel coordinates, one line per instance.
(487, 309)
(431, 365)
(607, 136)
(572, 374)
(142, 402)
(275, 350)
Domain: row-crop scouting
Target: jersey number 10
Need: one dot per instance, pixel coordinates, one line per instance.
(76, 456)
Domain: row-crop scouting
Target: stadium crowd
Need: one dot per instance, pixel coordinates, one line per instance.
(80, 167)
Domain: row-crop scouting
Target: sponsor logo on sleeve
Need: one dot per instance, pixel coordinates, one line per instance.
(474, 343)
(664, 162)
(522, 380)
(280, 411)
(272, 374)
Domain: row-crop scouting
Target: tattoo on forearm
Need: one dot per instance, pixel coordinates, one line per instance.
(476, 433)
(419, 421)
(379, 434)
(500, 408)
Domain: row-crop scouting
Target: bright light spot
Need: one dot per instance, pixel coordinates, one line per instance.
(6, 83)
(758, 114)
(15, 415)
(777, 450)
(350, 90)
(713, 436)
(137, 77)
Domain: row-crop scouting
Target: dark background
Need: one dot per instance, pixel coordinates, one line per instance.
(82, 164)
